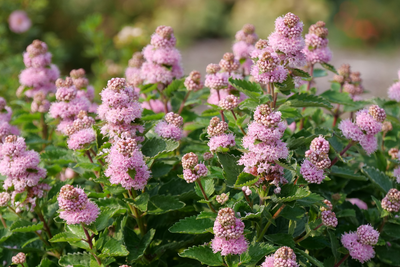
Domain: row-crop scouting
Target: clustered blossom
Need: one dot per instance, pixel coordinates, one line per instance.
(394, 89)
(244, 45)
(19, 21)
(283, 257)
(120, 109)
(75, 206)
(228, 231)
(221, 199)
(367, 124)
(287, 41)
(328, 216)
(37, 80)
(391, 202)
(207, 156)
(219, 136)
(132, 73)
(360, 244)
(230, 102)
(317, 160)
(163, 60)
(20, 166)
(20, 258)
(84, 89)
(5, 116)
(316, 49)
(68, 105)
(80, 132)
(350, 81)
(193, 81)
(192, 170)
(126, 164)
(170, 127)
(265, 147)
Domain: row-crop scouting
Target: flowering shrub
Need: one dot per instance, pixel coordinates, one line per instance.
(270, 174)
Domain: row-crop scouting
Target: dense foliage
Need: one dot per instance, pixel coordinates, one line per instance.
(250, 168)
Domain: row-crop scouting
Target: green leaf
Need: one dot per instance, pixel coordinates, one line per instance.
(135, 245)
(246, 179)
(192, 225)
(207, 214)
(336, 97)
(141, 201)
(346, 213)
(300, 73)
(208, 186)
(290, 192)
(113, 248)
(173, 87)
(378, 177)
(382, 212)
(5, 233)
(251, 89)
(160, 204)
(334, 244)
(154, 146)
(104, 219)
(255, 253)
(25, 227)
(65, 237)
(307, 100)
(75, 259)
(26, 117)
(147, 88)
(392, 230)
(289, 112)
(319, 73)
(204, 254)
(310, 258)
(231, 168)
(153, 117)
(285, 87)
(281, 239)
(329, 67)
(249, 104)
(76, 229)
(389, 255)
(347, 173)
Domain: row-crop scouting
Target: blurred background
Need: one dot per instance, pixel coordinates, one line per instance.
(101, 36)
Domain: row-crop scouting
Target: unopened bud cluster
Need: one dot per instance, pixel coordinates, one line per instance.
(192, 170)
(327, 215)
(317, 159)
(193, 81)
(283, 257)
(221, 199)
(391, 202)
(170, 127)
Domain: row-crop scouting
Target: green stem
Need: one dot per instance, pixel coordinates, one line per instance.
(137, 213)
(205, 196)
(276, 215)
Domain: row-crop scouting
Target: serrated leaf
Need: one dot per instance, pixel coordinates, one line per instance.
(192, 225)
(75, 259)
(249, 104)
(251, 89)
(77, 230)
(113, 248)
(329, 67)
(281, 239)
(206, 215)
(337, 97)
(204, 254)
(310, 258)
(300, 73)
(173, 87)
(135, 245)
(231, 169)
(289, 112)
(285, 87)
(141, 201)
(307, 100)
(154, 146)
(290, 192)
(4, 234)
(246, 179)
(346, 173)
(65, 237)
(382, 180)
(160, 204)
(104, 219)
(208, 186)
(255, 253)
(25, 227)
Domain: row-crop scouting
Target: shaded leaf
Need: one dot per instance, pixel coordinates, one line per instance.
(160, 204)
(25, 226)
(379, 178)
(135, 245)
(192, 225)
(154, 146)
(204, 254)
(246, 179)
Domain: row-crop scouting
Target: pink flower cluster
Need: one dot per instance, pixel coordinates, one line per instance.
(192, 170)
(81, 132)
(75, 206)
(244, 45)
(328, 216)
(396, 173)
(193, 81)
(126, 164)
(391, 202)
(265, 147)
(287, 40)
(21, 167)
(267, 68)
(317, 50)
(19, 21)
(228, 231)
(163, 60)
(317, 160)
(84, 89)
(350, 81)
(132, 73)
(394, 89)
(368, 123)
(39, 76)
(5, 116)
(284, 257)
(220, 139)
(68, 105)
(120, 109)
(170, 127)
(360, 244)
